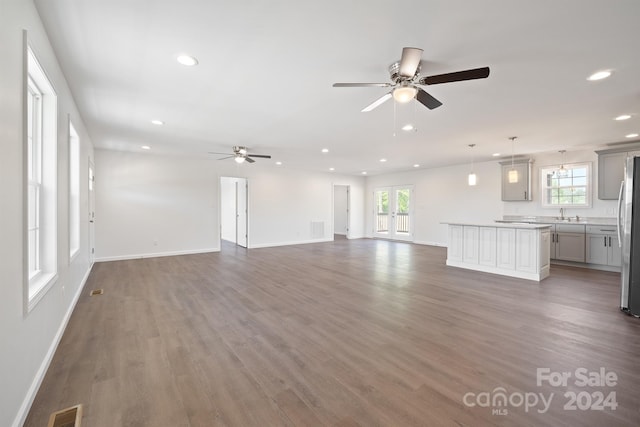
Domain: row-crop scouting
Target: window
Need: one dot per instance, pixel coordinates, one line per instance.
(40, 182)
(74, 191)
(567, 186)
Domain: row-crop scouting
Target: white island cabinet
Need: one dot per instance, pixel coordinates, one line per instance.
(517, 250)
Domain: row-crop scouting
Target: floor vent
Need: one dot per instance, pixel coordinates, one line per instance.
(96, 292)
(317, 229)
(70, 417)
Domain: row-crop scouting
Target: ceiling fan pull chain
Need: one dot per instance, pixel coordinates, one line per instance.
(394, 118)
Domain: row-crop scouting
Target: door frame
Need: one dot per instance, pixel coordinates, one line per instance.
(91, 194)
(391, 228)
(333, 202)
(236, 205)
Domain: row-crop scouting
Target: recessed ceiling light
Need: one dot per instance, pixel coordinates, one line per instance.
(332, 169)
(599, 75)
(495, 154)
(416, 165)
(157, 122)
(278, 163)
(407, 127)
(632, 135)
(187, 60)
(364, 172)
(146, 147)
(383, 160)
(623, 117)
(325, 150)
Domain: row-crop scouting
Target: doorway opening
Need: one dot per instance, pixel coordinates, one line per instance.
(234, 218)
(340, 212)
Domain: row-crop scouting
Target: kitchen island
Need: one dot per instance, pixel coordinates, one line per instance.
(510, 249)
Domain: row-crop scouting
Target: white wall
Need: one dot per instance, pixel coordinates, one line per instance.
(152, 205)
(284, 202)
(340, 206)
(442, 194)
(143, 198)
(29, 340)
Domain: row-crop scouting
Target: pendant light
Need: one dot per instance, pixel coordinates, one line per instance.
(513, 173)
(472, 179)
(562, 172)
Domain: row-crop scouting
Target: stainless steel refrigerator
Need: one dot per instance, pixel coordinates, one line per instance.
(629, 234)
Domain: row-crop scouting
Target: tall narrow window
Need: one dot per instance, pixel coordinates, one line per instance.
(40, 182)
(74, 191)
(34, 175)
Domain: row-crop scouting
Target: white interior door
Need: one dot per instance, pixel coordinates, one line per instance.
(242, 232)
(92, 213)
(393, 212)
(341, 210)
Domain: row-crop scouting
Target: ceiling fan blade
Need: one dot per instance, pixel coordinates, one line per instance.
(362, 84)
(261, 156)
(427, 100)
(224, 154)
(476, 73)
(384, 98)
(409, 61)
(249, 159)
(225, 158)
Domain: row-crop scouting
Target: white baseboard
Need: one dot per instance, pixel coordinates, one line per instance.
(21, 417)
(419, 242)
(156, 255)
(300, 242)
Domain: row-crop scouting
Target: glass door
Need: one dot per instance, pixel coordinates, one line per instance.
(393, 212)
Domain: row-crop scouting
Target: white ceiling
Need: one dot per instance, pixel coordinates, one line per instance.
(266, 69)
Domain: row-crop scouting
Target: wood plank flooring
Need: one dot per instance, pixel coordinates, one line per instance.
(345, 333)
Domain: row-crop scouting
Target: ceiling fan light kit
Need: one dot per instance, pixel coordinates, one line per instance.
(404, 94)
(406, 81)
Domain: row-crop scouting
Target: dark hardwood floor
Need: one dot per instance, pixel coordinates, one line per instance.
(345, 333)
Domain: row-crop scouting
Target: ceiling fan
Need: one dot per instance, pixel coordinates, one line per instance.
(240, 154)
(406, 78)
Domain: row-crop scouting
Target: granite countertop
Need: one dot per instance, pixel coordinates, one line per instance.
(556, 220)
(510, 224)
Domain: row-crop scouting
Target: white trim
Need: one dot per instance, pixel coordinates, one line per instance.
(538, 277)
(41, 286)
(545, 204)
(21, 417)
(420, 242)
(290, 243)
(156, 255)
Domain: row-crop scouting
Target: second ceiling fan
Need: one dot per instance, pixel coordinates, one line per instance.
(406, 78)
(241, 154)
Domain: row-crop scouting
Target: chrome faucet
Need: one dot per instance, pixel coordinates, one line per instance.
(561, 213)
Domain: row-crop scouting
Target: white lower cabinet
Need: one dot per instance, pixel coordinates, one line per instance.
(454, 250)
(487, 246)
(517, 251)
(470, 251)
(506, 248)
(527, 250)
